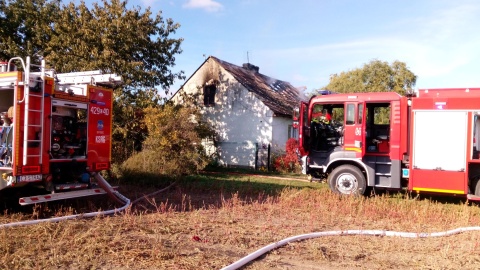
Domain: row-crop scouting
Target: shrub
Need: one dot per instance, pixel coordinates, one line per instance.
(173, 146)
(289, 161)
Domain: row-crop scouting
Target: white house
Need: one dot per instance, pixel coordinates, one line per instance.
(249, 110)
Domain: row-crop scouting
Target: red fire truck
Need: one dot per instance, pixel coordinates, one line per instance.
(425, 142)
(55, 130)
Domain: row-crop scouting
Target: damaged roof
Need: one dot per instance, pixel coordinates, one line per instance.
(280, 96)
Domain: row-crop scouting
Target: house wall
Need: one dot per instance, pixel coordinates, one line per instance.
(280, 133)
(242, 121)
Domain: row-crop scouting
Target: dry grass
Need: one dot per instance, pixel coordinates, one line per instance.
(216, 220)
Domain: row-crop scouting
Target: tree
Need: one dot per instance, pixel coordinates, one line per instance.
(108, 36)
(129, 128)
(26, 27)
(376, 76)
(112, 38)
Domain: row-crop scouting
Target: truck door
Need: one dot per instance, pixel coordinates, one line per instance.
(304, 129)
(354, 129)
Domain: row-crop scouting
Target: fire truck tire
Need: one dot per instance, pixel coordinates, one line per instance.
(347, 180)
(476, 187)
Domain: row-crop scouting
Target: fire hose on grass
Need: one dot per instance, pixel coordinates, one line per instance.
(252, 256)
(111, 192)
(116, 196)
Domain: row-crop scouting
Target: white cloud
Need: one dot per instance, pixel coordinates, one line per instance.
(433, 62)
(457, 20)
(441, 48)
(148, 3)
(208, 5)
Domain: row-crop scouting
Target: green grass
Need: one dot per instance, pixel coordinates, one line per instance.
(243, 181)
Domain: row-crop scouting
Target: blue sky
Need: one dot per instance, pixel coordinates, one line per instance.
(305, 41)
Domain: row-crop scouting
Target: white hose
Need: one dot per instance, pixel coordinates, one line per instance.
(108, 188)
(285, 241)
(87, 215)
(104, 184)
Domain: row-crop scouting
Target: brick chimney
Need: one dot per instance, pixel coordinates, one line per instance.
(251, 67)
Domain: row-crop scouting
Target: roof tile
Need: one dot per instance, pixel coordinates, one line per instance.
(280, 96)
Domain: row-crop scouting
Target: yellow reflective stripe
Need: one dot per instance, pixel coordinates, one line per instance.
(356, 149)
(11, 74)
(439, 190)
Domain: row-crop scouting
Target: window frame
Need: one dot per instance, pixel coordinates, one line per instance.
(350, 115)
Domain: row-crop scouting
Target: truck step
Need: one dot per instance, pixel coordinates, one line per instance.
(61, 196)
(472, 197)
(71, 186)
(383, 163)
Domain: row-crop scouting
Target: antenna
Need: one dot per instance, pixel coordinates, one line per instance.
(248, 60)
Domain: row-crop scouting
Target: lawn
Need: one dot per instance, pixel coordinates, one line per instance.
(211, 220)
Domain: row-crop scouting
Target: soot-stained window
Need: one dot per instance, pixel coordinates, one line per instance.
(209, 95)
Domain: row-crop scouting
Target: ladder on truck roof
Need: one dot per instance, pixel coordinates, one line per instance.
(96, 77)
(33, 116)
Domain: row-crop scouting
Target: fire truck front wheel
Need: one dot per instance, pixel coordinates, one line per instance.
(347, 180)
(476, 187)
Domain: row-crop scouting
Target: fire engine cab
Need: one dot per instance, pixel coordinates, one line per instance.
(55, 129)
(424, 142)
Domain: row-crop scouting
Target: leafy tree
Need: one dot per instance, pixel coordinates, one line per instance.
(129, 128)
(112, 38)
(26, 27)
(376, 76)
(108, 36)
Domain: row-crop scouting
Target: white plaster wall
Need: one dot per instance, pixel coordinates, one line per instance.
(280, 133)
(240, 118)
(209, 71)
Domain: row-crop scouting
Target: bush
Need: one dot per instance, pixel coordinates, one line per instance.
(288, 163)
(174, 143)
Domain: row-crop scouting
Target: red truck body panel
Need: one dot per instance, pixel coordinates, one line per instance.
(427, 142)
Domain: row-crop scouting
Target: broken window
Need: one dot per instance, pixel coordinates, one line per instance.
(209, 95)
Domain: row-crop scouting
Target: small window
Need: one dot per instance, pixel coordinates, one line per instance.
(360, 114)
(317, 108)
(209, 95)
(292, 132)
(350, 114)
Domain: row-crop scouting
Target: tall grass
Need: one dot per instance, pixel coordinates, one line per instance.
(209, 221)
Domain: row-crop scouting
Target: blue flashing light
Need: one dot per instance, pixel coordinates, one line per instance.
(325, 92)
